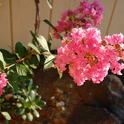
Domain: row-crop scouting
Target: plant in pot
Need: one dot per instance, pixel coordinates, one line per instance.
(88, 57)
(83, 53)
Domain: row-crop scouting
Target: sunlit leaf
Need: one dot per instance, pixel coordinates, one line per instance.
(2, 61)
(36, 113)
(42, 41)
(49, 62)
(22, 70)
(31, 45)
(29, 116)
(49, 2)
(6, 115)
(24, 117)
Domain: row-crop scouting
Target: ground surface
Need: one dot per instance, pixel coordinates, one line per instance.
(70, 104)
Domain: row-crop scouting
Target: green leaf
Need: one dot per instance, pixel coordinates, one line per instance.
(2, 61)
(29, 116)
(38, 57)
(24, 117)
(42, 41)
(6, 115)
(8, 57)
(49, 23)
(49, 62)
(30, 85)
(20, 111)
(19, 105)
(49, 2)
(29, 70)
(20, 50)
(13, 81)
(34, 40)
(22, 69)
(40, 103)
(34, 61)
(33, 66)
(52, 26)
(27, 104)
(31, 45)
(32, 94)
(36, 113)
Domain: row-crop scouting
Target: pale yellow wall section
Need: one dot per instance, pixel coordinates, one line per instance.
(118, 18)
(24, 19)
(108, 6)
(5, 39)
(23, 14)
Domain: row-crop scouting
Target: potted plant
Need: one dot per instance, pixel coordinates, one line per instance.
(83, 54)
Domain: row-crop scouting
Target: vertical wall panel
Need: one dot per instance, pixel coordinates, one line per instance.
(44, 14)
(24, 19)
(108, 6)
(23, 12)
(117, 25)
(5, 25)
(73, 3)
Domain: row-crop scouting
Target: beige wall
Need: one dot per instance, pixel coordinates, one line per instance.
(23, 12)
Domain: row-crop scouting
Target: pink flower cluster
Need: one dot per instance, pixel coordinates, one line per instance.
(88, 57)
(114, 51)
(3, 82)
(87, 14)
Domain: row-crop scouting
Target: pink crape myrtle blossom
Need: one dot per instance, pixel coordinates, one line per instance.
(3, 82)
(114, 39)
(83, 53)
(115, 42)
(114, 53)
(87, 14)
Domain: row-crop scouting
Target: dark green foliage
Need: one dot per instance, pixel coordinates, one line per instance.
(20, 97)
(20, 50)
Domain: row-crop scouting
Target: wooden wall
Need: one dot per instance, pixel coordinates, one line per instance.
(17, 19)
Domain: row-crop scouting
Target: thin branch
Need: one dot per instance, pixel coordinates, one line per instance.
(37, 17)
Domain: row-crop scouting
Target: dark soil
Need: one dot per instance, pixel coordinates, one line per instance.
(67, 103)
